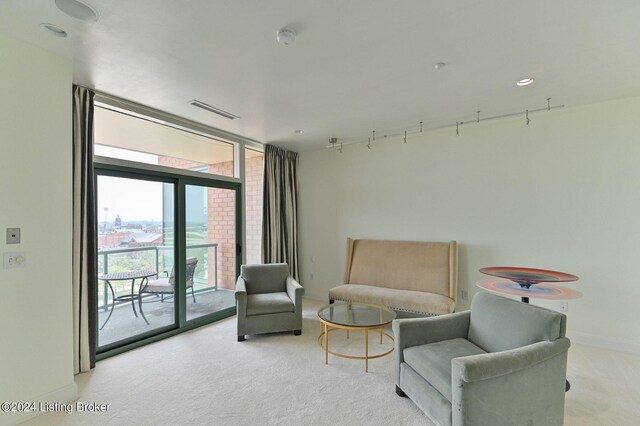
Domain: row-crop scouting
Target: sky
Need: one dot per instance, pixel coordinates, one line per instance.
(132, 199)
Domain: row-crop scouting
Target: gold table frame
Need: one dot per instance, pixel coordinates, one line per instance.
(327, 326)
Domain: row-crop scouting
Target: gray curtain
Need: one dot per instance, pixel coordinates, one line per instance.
(84, 233)
(280, 208)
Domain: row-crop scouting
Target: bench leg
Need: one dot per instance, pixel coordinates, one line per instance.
(400, 392)
(297, 332)
(241, 338)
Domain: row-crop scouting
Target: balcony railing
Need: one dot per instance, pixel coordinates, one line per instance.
(103, 268)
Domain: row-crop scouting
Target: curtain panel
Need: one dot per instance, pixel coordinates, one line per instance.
(280, 208)
(84, 233)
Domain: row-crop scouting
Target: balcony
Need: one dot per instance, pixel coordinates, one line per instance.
(117, 321)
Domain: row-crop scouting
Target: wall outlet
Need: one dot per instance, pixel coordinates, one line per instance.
(564, 306)
(464, 294)
(13, 235)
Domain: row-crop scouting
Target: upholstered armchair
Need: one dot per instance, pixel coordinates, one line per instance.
(503, 362)
(268, 300)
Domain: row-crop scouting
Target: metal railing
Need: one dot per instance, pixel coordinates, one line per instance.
(157, 249)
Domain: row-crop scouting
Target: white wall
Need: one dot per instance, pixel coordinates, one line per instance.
(36, 361)
(561, 194)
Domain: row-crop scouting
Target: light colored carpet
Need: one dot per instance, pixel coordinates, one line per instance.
(206, 377)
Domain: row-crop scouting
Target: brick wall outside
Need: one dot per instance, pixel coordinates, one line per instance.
(221, 214)
(222, 227)
(253, 198)
(178, 163)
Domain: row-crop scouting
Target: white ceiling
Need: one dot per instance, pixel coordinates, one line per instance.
(356, 65)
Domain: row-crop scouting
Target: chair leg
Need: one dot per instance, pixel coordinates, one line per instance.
(297, 332)
(140, 306)
(400, 392)
(193, 295)
(241, 338)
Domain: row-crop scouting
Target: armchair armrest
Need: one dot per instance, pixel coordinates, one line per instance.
(523, 383)
(486, 366)
(241, 297)
(295, 292)
(157, 275)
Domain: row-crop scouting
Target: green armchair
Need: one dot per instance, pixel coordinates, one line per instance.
(268, 300)
(503, 362)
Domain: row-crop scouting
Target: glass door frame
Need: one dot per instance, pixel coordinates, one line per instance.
(180, 182)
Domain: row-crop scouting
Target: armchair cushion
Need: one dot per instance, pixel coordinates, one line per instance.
(268, 303)
(433, 361)
(160, 285)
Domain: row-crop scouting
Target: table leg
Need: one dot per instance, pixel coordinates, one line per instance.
(113, 302)
(326, 344)
(133, 301)
(142, 283)
(381, 327)
(366, 350)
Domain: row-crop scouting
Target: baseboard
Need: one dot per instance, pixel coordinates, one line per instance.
(64, 395)
(632, 347)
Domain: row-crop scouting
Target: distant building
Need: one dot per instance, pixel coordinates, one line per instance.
(118, 222)
(112, 239)
(143, 240)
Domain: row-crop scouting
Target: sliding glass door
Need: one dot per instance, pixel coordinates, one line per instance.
(168, 253)
(211, 244)
(136, 244)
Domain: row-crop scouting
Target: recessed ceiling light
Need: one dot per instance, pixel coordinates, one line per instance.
(298, 132)
(53, 30)
(439, 65)
(77, 9)
(525, 81)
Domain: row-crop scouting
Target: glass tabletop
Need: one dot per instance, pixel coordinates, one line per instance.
(355, 314)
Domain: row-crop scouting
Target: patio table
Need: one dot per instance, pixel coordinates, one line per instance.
(142, 275)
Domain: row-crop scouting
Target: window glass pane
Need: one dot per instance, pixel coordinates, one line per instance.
(254, 165)
(135, 255)
(211, 245)
(122, 136)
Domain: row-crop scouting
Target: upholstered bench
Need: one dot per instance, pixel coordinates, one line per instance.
(416, 278)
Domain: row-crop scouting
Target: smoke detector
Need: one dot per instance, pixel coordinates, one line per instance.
(286, 36)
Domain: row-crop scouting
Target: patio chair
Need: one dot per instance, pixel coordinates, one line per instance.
(166, 285)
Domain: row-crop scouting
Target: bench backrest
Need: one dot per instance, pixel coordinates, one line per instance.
(405, 265)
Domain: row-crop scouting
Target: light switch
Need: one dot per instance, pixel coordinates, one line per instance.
(13, 235)
(15, 260)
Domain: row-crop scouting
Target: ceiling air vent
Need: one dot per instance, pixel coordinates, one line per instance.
(212, 109)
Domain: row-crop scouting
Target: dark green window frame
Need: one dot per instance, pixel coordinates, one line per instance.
(180, 181)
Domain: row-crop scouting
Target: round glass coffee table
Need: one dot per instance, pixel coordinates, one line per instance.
(354, 316)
